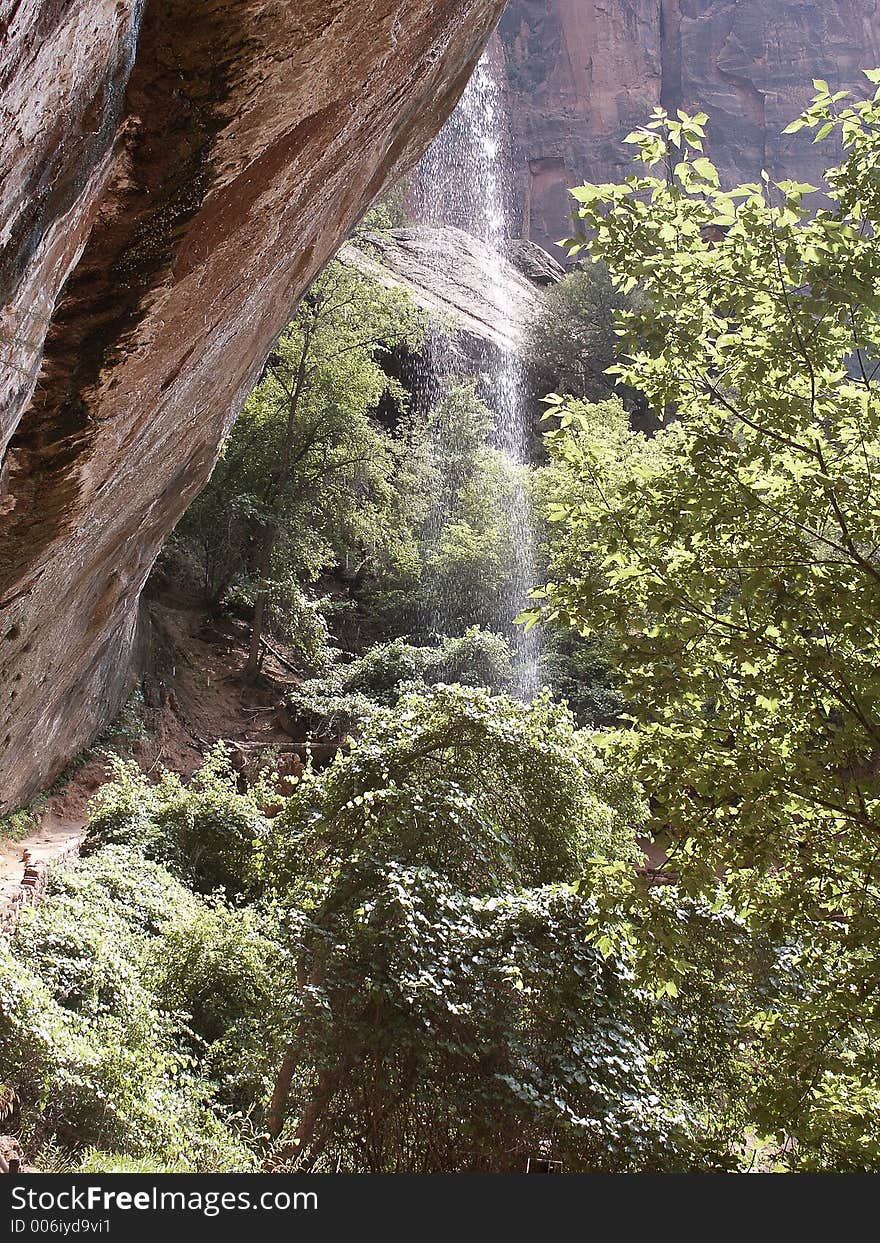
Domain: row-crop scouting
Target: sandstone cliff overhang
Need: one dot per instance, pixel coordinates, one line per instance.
(174, 174)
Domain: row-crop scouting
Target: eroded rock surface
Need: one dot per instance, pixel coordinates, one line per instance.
(582, 73)
(534, 262)
(455, 277)
(174, 173)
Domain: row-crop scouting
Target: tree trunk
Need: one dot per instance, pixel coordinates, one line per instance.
(312, 1115)
(284, 1078)
(252, 667)
(276, 488)
(280, 1095)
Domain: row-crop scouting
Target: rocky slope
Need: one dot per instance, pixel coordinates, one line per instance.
(582, 73)
(174, 173)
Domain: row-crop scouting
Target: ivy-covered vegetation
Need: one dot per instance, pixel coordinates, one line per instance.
(394, 970)
(128, 1011)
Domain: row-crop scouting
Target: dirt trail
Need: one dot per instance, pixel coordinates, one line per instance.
(194, 695)
(61, 820)
(56, 836)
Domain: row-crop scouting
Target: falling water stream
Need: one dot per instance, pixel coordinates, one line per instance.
(462, 182)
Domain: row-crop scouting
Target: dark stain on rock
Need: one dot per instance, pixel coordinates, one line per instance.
(175, 96)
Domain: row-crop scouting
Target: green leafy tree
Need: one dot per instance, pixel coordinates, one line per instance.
(734, 560)
(452, 563)
(572, 341)
(453, 1013)
(308, 476)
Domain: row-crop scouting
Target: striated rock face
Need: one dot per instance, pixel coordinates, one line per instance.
(582, 73)
(450, 274)
(174, 173)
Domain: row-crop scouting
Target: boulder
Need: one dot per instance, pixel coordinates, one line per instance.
(458, 278)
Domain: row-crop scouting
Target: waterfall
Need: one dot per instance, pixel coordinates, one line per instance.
(462, 182)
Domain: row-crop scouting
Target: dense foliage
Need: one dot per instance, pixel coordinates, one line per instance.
(307, 476)
(330, 706)
(452, 561)
(355, 504)
(732, 561)
(333, 469)
(572, 341)
(442, 945)
(127, 1015)
(397, 972)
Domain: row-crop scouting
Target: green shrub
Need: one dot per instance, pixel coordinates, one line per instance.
(381, 670)
(98, 1053)
(226, 971)
(96, 1161)
(451, 1032)
(518, 783)
(476, 658)
(207, 833)
(139, 1015)
(332, 706)
(17, 825)
(460, 1011)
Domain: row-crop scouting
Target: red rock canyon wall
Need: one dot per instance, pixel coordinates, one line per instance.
(582, 74)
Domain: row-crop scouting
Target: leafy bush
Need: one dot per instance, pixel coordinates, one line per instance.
(225, 970)
(446, 1031)
(100, 1042)
(381, 670)
(816, 1089)
(517, 782)
(476, 658)
(206, 832)
(459, 1011)
(331, 706)
(17, 825)
(96, 1161)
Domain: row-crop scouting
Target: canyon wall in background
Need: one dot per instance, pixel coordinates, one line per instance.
(582, 73)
